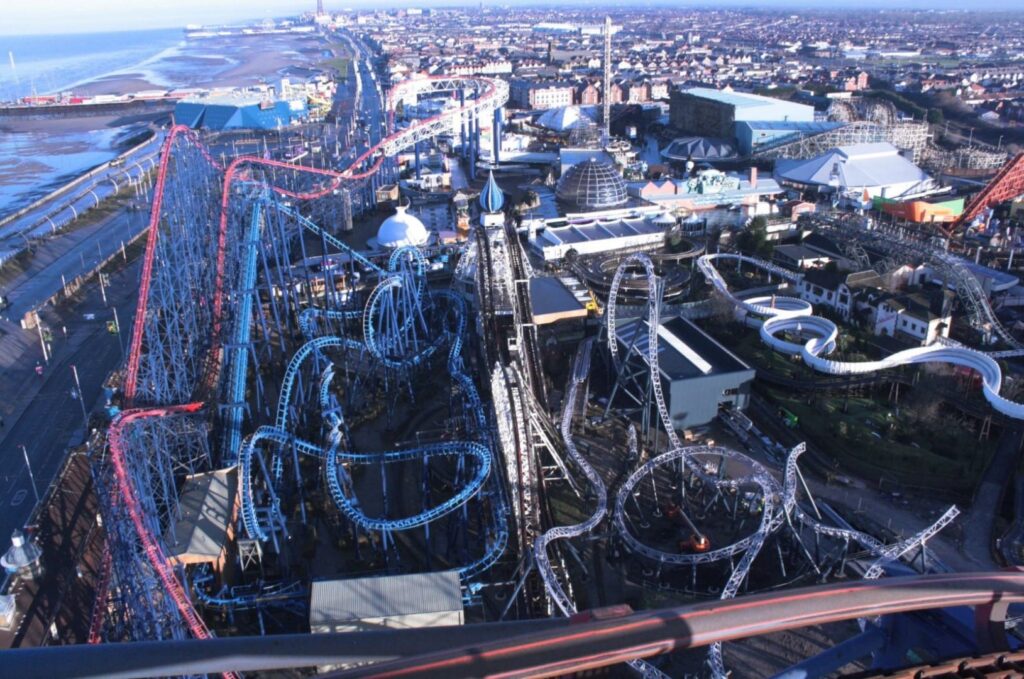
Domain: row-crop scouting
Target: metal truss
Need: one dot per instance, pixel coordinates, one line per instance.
(135, 485)
(903, 135)
(486, 95)
(177, 293)
(218, 298)
(259, 488)
(647, 347)
(952, 269)
(701, 469)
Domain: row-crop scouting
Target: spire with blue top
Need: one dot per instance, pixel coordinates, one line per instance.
(491, 197)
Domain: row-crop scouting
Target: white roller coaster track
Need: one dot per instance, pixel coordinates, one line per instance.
(952, 269)
(778, 315)
(581, 370)
(492, 93)
(775, 513)
(653, 322)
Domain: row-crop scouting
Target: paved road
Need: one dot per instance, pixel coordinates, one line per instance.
(69, 256)
(56, 214)
(53, 419)
(979, 524)
(372, 105)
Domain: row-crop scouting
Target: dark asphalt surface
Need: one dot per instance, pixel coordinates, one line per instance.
(69, 256)
(979, 524)
(53, 419)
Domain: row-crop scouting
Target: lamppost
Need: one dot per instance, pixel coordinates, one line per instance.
(31, 476)
(81, 399)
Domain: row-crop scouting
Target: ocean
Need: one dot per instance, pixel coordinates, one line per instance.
(36, 157)
(46, 64)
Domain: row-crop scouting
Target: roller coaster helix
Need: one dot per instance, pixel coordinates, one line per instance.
(581, 370)
(200, 331)
(477, 456)
(394, 323)
(697, 483)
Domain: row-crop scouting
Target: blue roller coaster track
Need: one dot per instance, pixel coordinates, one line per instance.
(238, 361)
(260, 506)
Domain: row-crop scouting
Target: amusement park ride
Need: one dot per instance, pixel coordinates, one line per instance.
(204, 333)
(246, 349)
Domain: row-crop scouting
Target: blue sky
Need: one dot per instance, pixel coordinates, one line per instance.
(82, 16)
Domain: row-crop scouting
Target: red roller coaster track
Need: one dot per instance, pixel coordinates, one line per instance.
(173, 587)
(231, 173)
(597, 642)
(1008, 183)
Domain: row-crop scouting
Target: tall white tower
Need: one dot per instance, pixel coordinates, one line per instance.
(606, 92)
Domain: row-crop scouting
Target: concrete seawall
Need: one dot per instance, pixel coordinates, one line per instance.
(86, 110)
(78, 181)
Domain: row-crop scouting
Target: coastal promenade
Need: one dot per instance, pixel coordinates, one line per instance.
(44, 413)
(53, 213)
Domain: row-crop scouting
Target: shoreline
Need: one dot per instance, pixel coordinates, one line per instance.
(233, 61)
(44, 153)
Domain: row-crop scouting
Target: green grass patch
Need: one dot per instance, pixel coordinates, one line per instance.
(340, 64)
(875, 439)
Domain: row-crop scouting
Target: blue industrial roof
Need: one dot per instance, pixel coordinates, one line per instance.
(224, 113)
(737, 99)
(792, 125)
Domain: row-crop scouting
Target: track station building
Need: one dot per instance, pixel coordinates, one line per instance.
(698, 375)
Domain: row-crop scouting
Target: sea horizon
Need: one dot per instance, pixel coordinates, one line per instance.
(49, 64)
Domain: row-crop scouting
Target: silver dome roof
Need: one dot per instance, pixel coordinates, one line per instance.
(592, 185)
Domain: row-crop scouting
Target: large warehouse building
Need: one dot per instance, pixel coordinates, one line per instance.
(708, 112)
(698, 375)
(242, 111)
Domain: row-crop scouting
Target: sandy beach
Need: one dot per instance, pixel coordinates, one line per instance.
(229, 61)
(37, 155)
(117, 84)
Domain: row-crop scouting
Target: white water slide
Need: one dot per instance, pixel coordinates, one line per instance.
(779, 316)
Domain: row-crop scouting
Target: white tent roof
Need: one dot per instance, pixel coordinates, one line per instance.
(699, 148)
(566, 118)
(856, 166)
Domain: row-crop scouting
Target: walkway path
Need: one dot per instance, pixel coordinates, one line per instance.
(41, 413)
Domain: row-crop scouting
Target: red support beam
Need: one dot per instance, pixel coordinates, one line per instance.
(1006, 185)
